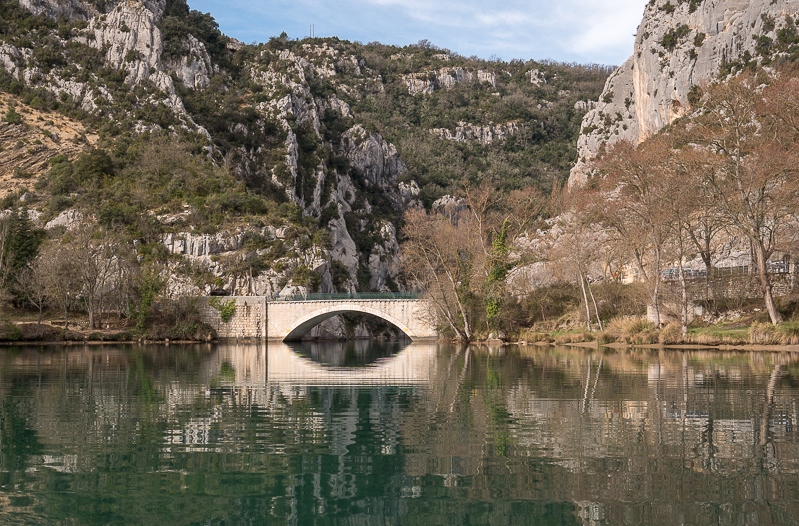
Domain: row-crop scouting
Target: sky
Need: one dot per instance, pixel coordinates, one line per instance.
(584, 31)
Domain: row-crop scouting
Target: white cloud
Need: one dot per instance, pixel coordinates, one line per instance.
(567, 30)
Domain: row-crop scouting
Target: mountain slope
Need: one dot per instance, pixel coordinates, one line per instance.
(257, 167)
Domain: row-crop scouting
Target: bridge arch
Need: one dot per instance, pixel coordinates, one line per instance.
(304, 324)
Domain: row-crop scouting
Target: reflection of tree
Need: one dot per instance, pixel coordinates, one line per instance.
(18, 442)
(768, 405)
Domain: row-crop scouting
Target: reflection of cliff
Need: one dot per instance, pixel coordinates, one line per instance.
(612, 438)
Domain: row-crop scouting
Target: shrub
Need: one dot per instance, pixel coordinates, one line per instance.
(9, 331)
(637, 331)
(532, 335)
(647, 337)
(563, 338)
(226, 308)
(671, 334)
(12, 117)
(672, 37)
(789, 331)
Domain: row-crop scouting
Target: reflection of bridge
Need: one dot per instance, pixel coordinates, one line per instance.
(292, 318)
(413, 365)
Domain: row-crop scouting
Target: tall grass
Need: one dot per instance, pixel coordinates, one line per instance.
(766, 334)
(634, 331)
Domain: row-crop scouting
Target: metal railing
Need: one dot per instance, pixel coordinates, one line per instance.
(347, 296)
(774, 267)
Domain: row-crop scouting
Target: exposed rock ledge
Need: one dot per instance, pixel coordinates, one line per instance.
(446, 78)
(465, 132)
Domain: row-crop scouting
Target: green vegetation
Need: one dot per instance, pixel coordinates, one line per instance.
(673, 36)
(12, 117)
(669, 8)
(541, 152)
(151, 285)
(226, 308)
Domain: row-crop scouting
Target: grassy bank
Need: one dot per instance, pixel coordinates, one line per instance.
(21, 325)
(633, 331)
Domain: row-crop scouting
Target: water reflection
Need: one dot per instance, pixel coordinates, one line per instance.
(404, 434)
(353, 353)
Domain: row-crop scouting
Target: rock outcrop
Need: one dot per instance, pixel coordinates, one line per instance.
(292, 139)
(194, 68)
(537, 77)
(487, 134)
(376, 158)
(445, 78)
(679, 45)
(84, 9)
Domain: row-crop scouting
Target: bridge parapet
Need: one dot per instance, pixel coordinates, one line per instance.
(346, 296)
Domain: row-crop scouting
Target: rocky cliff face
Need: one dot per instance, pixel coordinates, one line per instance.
(311, 181)
(83, 9)
(679, 45)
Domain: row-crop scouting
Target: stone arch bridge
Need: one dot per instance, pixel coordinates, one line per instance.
(291, 318)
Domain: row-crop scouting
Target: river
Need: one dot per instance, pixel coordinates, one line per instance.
(395, 433)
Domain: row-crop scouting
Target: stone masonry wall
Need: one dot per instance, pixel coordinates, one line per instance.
(733, 287)
(248, 320)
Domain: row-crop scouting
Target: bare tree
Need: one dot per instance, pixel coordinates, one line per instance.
(579, 248)
(684, 212)
(753, 168)
(631, 204)
(443, 259)
(61, 277)
(32, 281)
(94, 255)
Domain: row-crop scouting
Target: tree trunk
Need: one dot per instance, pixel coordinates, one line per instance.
(765, 282)
(587, 309)
(596, 309)
(656, 289)
(684, 300)
(90, 306)
(654, 299)
(706, 258)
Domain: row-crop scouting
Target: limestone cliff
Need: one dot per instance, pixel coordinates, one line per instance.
(679, 44)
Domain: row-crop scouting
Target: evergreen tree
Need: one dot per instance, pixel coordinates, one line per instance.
(21, 247)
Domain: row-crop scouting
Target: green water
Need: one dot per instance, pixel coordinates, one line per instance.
(366, 433)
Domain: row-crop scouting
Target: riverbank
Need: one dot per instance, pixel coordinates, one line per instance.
(113, 330)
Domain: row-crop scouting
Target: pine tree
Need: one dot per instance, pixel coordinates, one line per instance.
(21, 247)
